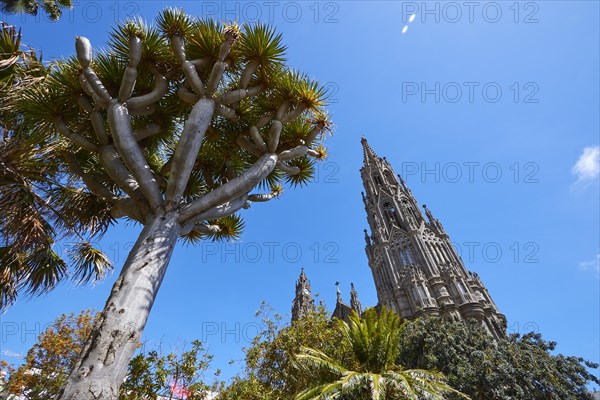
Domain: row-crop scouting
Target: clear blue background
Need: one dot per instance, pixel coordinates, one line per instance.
(211, 292)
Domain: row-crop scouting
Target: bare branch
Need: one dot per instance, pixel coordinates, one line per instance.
(185, 95)
(130, 75)
(202, 63)
(248, 146)
(295, 113)
(201, 228)
(189, 70)
(282, 110)
(87, 88)
(222, 210)
(130, 151)
(262, 197)
(215, 77)
(264, 120)
(147, 131)
(227, 112)
(160, 88)
(274, 134)
(76, 138)
(238, 95)
(126, 207)
(288, 169)
(248, 72)
(234, 188)
(96, 85)
(116, 170)
(290, 154)
(257, 139)
(90, 182)
(188, 147)
(312, 135)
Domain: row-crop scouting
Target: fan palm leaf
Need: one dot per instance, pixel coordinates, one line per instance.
(375, 343)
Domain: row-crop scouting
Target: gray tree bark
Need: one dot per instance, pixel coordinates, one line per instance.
(103, 366)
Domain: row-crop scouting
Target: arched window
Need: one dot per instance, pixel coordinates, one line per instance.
(389, 177)
(377, 178)
(460, 286)
(391, 213)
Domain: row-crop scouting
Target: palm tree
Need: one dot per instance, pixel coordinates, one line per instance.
(53, 8)
(173, 128)
(371, 372)
(37, 208)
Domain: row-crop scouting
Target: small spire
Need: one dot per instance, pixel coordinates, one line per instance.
(368, 153)
(302, 274)
(339, 294)
(354, 303)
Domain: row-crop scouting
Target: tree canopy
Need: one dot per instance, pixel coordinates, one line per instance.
(517, 367)
(52, 8)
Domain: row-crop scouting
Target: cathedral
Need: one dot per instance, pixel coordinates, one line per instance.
(416, 269)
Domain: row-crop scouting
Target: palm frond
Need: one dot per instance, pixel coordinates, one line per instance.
(88, 263)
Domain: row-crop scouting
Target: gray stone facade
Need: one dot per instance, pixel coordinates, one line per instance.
(303, 302)
(415, 267)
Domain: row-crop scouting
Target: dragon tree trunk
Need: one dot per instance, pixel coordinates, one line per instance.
(102, 366)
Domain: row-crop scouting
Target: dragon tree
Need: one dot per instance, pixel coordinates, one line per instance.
(178, 127)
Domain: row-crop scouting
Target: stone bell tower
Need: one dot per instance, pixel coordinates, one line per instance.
(415, 267)
(303, 302)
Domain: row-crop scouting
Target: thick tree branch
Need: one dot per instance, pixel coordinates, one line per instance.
(274, 134)
(262, 197)
(257, 139)
(227, 112)
(116, 170)
(76, 138)
(248, 72)
(126, 207)
(295, 113)
(185, 95)
(160, 88)
(90, 182)
(149, 130)
(130, 151)
(234, 188)
(290, 154)
(238, 95)
(248, 146)
(130, 75)
(222, 210)
(290, 170)
(188, 147)
(189, 70)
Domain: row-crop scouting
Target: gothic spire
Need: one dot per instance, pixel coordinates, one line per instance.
(404, 243)
(369, 156)
(354, 303)
(303, 302)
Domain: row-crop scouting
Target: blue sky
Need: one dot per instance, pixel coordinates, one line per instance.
(485, 111)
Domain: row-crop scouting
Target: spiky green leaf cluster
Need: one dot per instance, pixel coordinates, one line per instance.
(256, 57)
(39, 205)
(52, 8)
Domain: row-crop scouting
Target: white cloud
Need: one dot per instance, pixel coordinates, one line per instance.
(592, 265)
(587, 167)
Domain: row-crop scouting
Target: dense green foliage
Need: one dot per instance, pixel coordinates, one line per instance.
(270, 372)
(371, 372)
(38, 206)
(516, 368)
(52, 8)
